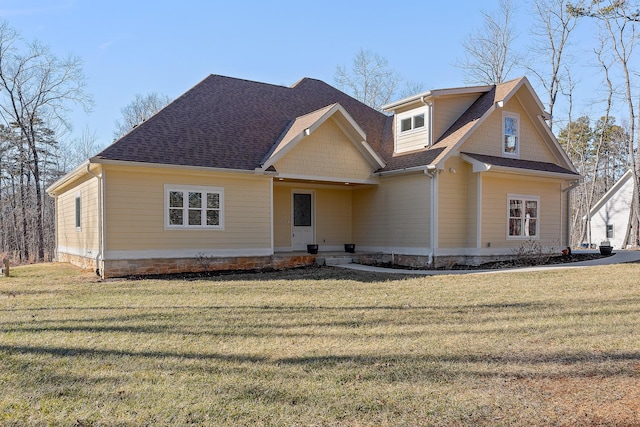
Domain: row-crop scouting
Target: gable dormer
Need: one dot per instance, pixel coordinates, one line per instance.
(421, 119)
(412, 129)
(412, 123)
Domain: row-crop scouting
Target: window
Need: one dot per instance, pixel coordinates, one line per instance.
(609, 231)
(511, 134)
(524, 215)
(194, 207)
(78, 212)
(302, 212)
(413, 122)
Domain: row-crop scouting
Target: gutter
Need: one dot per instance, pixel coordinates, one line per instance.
(423, 168)
(78, 171)
(96, 160)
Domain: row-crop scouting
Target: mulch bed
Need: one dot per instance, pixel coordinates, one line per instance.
(530, 262)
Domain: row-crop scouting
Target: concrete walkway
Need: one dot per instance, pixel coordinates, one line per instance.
(618, 257)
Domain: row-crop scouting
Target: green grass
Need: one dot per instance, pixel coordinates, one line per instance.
(321, 347)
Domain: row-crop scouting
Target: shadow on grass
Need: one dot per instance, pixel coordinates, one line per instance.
(313, 321)
(391, 367)
(92, 352)
(292, 274)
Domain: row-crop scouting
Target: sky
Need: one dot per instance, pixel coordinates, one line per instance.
(138, 47)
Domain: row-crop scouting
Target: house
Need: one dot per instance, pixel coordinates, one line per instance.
(609, 217)
(236, 174)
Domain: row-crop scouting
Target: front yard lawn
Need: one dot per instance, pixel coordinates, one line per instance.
(321, 346)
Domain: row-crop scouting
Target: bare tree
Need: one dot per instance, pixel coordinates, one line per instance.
(489, 53)
(75, 151)
(600, 136)
(36, 90)
(551, 31)
(411, 88)
(138, 111)
(370, 79)
(617, 19)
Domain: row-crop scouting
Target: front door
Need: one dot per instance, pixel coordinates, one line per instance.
(303, 220)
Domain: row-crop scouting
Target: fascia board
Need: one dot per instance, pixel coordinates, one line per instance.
(169, 166)
(480, 166)
(362, 146)
(69, 176)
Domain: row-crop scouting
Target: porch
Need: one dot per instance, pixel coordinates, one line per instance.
(332, 258)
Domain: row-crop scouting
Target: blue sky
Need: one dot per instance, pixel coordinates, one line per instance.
(137, 47)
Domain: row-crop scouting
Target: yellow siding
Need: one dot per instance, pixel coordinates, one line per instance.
(326, 152)
(281, 216)
(135, 211)
(487, 139)
(565, 239)
(414, 139)
(333, 216)
(456, 205)
(495, 189)
(447, 110)
(472, 207)
(83, 241)
(393, 215)
(333, 211)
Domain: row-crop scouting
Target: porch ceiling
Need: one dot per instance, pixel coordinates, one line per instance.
(321, 181)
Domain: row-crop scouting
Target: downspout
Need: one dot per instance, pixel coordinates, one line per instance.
(432, 173)
(429, 120)
(99, 256)
(55, 218)
(568, 213)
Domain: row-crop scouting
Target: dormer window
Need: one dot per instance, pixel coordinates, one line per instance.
(411, 123)
(511, 134)
(412, 129)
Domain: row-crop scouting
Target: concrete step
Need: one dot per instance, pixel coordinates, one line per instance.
(338, 260)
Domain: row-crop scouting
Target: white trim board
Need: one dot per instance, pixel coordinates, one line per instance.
(185, 253)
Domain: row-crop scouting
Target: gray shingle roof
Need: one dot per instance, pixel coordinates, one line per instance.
(225, 122)
(520, 164)
(230, 123)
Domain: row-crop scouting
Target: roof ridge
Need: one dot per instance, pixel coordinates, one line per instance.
(239, 79)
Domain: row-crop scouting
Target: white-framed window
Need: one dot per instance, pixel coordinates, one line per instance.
(510, 134)
(523, 216)
(78, 210)
(412, 122)
(194, 207)
(609, 231)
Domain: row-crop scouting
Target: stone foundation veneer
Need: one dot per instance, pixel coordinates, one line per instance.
(141, 267)
(160, 266)
(422, 262)
(411, 261)
(84, 263)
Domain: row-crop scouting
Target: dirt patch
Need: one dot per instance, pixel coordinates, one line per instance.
(586, 401)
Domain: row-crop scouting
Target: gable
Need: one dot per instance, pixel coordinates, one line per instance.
(616, 201)
(487, 139)
(447, 110)
(230, 123)
(326, 152)
(480, 129)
